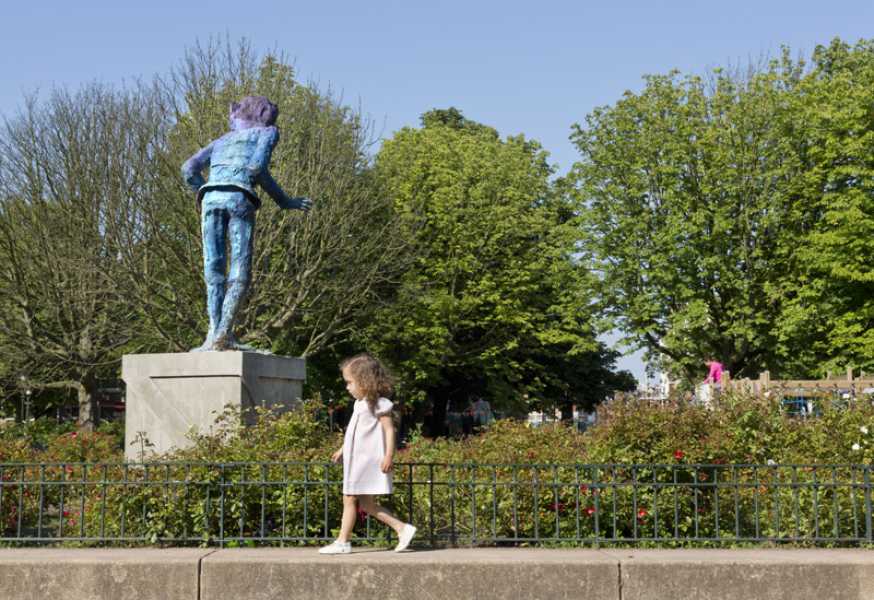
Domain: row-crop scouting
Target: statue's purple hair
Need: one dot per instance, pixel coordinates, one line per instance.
(255, 109)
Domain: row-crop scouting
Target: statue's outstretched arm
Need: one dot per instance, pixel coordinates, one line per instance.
(283, 200)
(191, 168)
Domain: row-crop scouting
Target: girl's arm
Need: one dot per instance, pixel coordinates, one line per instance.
(388, 428)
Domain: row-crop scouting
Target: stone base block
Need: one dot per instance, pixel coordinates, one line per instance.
(169, 394)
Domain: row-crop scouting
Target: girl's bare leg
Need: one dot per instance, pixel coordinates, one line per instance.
(369, 505)
(347, 523)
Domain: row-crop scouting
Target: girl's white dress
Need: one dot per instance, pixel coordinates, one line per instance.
(364, 449)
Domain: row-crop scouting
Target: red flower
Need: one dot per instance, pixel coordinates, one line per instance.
(590, 511)
(584, 489)
(66, 513)
(74, 434)
(679, 454)
(531, 455)
(558, 506)
(641, 514)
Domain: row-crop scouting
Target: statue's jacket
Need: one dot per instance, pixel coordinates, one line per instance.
(237, 161)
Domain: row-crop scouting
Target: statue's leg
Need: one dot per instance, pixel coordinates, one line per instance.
(241, 230)
(214, 226)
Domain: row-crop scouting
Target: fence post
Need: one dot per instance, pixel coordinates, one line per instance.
(868, 533)
(851, 382)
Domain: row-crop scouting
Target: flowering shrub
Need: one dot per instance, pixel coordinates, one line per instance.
(742, 469)
(45, 440)
(693, 475)
(30, 509)
(230, 493)
(863, 450)
(506, 441)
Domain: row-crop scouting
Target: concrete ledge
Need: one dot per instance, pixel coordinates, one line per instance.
(424, 575)
(746, 574)
(301, 573)
(100, 574)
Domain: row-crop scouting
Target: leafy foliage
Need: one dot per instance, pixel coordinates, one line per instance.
(731, 216)
(690, 213)
(495, 299)
(829, 318)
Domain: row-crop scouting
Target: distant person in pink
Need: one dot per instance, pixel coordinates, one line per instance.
(715, 374)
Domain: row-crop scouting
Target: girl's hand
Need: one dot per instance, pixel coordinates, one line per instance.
(386, 464)
(337, 456)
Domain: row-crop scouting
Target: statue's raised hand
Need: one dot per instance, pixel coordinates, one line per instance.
(305, 204)
(301, 203)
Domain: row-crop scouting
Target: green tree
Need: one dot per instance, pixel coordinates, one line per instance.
(693, 211)
(69, 171)
(494, 287)
(829, 316)
(581, 379)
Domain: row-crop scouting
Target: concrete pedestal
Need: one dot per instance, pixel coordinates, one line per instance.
(168, 394)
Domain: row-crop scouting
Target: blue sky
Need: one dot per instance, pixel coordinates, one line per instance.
(522, 67)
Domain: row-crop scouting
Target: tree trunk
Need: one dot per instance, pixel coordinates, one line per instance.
(437, 418)
(87, 404)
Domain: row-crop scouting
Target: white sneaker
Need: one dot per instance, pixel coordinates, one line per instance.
(336, 547)
(405, 537)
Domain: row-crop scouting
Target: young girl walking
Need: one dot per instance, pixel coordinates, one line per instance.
(367, 452)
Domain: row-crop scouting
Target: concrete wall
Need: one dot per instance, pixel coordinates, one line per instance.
(301, 574)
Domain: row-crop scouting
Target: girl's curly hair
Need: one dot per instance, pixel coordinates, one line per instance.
(371, 376)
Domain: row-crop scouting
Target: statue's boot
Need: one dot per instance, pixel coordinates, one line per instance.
(228, 341)
(208, 345)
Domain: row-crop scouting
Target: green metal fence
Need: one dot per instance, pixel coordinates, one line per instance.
(286, 503)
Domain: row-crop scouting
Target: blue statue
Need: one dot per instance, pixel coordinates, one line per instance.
(237, 161)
